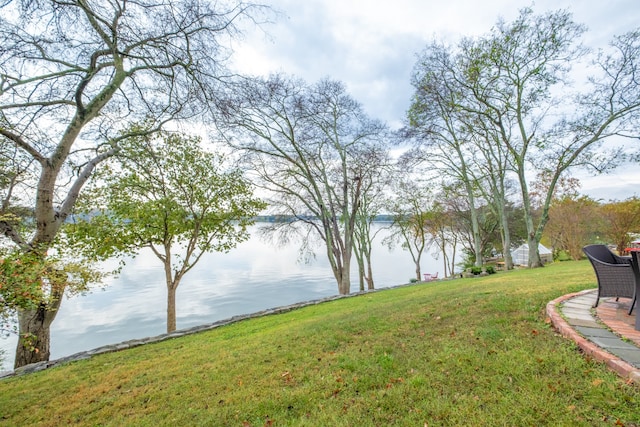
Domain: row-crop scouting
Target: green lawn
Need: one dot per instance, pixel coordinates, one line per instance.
(462, 352)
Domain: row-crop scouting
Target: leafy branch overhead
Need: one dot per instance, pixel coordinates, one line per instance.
(74, 77)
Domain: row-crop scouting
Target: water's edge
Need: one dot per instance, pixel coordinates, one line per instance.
(40, 366)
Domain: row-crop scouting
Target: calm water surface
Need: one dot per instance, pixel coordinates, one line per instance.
(253, 277)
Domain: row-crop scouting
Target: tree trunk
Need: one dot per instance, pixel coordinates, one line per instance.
(345, 283)
(532, 242)
(370, 284)
(506, 239)
(534, 255)
(445, 259)
(340, 271)
(344, 286)
(361, 275)
(505, 232)
(452, 265)
(172, 285)
(34, 334)
(360, 259)
(475, 227)
(171, 308)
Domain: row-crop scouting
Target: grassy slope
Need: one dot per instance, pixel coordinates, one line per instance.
(462, 352)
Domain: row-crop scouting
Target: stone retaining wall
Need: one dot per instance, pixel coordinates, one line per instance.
(35, 367)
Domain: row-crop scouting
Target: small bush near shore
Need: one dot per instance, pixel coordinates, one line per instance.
(475, 270)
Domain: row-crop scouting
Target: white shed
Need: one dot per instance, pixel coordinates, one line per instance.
(520, 256)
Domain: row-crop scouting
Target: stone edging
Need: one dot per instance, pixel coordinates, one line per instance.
(619, 366)
(83, 355)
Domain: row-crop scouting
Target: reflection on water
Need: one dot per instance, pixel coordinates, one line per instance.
(255, 276)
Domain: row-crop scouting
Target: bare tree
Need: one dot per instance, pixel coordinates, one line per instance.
(74, 76)
(375, 171)
(411, 206)
(306, 143)
(442, 224)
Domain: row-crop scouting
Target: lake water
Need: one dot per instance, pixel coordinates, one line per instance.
(252, 277)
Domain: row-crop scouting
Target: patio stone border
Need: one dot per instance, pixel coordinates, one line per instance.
(583, 320)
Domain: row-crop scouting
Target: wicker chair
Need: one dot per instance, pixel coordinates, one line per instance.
(615, 274)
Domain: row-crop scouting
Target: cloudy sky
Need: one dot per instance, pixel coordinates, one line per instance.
(371, 46)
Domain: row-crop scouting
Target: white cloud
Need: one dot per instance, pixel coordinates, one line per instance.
(372, 46)
(361, 42)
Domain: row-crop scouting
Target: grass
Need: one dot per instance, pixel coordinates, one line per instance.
(462, 352)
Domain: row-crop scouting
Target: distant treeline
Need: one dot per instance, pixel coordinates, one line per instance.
(291, 218)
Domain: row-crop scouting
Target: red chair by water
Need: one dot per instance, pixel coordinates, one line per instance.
(429, 277)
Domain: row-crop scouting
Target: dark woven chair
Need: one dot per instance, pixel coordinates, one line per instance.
(615, 274)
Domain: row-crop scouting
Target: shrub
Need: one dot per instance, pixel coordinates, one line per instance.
(476, 270)
(490, 269)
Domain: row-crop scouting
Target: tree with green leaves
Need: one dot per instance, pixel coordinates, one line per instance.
(621, 221)
(74, 76)
(510, 75)
(169, 195)
(456, 205)
(436, 124)
(515, 77)
(573, 223)
(496, 184)
(512, 79)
